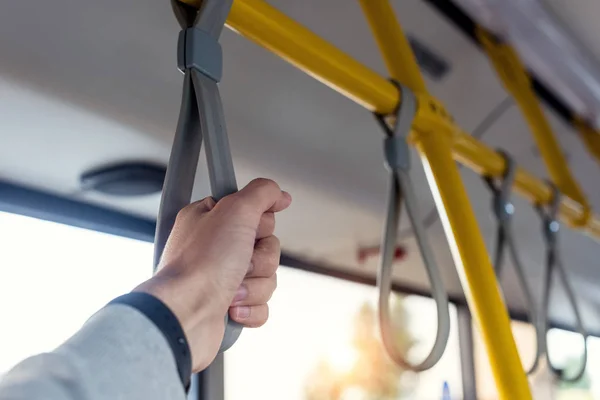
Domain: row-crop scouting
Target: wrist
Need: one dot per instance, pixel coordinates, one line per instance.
(167, 323)
(202, 324)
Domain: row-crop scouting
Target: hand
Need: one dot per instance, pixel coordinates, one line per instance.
(221, 257)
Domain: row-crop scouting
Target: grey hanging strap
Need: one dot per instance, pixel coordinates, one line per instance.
(550, 229)
(401, 189)
(201, 117)
(503, 210)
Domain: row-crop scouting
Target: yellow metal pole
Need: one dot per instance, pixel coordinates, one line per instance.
(590, 138)
(265, 25)
(472, 263)
(517, 81)
(393, 44)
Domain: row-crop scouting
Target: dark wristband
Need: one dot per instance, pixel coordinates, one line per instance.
(164, 319)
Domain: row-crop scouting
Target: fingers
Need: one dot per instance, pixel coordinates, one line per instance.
(249, 306)
(266, 226)
(282, 203)
(250, 316)
(265, 259)
(260, 197)
(264, 195)
(197, 207)
(255, 291)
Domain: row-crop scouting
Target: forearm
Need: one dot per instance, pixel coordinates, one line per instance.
(118, 354)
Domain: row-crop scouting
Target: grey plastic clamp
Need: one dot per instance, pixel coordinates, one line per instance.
(199, 50)
(397, 153)
(550, 223)
(501, 203)
(395, 146)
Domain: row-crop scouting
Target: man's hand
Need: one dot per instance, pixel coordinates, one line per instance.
(221, 257)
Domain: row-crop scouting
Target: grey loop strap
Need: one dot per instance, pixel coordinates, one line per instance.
(401, 189)
(503, 210)
(200, 118)
(550, 229)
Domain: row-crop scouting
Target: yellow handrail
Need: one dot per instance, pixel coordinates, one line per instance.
(434, 135)
(517, 81)
(589, 136)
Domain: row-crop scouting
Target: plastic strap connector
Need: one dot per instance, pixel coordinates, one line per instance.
(200, 51)
(501, 204)
(397, 153)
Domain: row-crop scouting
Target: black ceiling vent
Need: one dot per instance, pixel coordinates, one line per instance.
(125, 179)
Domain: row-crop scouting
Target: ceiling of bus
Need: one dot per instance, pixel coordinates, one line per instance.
(89, 83)
(579, 19)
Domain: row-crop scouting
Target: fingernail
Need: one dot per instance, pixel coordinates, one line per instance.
(242, 312)
(241, 294)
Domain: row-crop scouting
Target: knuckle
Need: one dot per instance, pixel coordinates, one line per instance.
(271, 245)
(275, 243)
(267, 254)
(264, 183)
(236, 205)
(268, 219)
(185, 213)
(264, 262)
(272, 262)
(227, 201)
(269, 288)
(266, 226)
(275, 253)
(264, 186)
(198, 207)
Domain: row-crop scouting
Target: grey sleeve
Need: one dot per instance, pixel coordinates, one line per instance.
(119, 354)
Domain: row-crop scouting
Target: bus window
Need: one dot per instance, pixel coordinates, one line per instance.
(53, 277)
(321, 338)
(322, 343)
(565, 350)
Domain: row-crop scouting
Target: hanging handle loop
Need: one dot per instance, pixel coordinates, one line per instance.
(550, 229)
(401, 189)
(504, 210)
(201, 118)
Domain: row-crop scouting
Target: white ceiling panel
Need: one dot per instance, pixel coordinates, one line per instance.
(580, 18)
